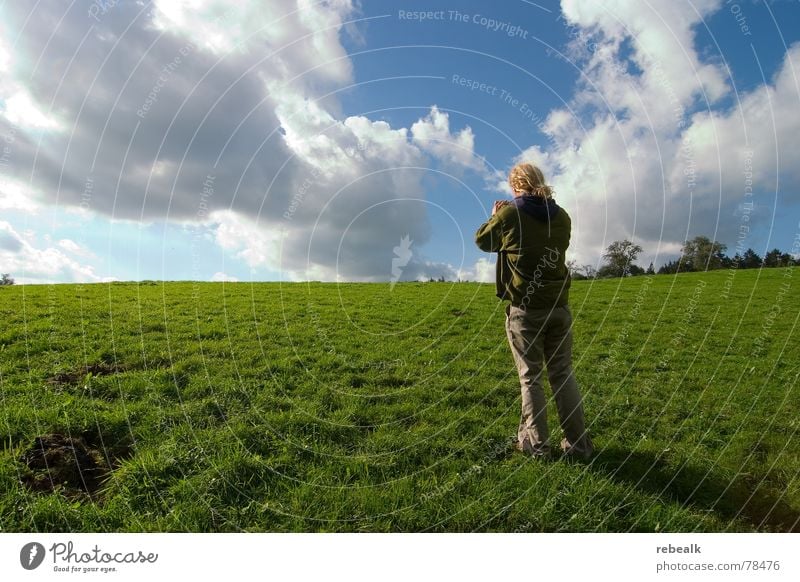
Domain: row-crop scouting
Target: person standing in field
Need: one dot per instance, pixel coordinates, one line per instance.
(530, 236)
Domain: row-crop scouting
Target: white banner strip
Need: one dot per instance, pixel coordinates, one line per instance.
(401, 557)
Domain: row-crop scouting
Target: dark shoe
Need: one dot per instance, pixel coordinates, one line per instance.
(580, 455)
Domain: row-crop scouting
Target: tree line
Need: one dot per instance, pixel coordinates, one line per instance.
(698, 254)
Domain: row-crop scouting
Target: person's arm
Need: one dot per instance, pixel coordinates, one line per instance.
(489, 237)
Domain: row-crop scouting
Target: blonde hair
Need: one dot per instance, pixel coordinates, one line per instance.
(528, 178)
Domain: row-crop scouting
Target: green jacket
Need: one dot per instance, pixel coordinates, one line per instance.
(530, 237)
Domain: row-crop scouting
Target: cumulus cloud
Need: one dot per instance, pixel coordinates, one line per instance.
(432, 134)
(29, 264)
(224, 113)
(646, 149)
(364, 194)
(662, 53)
(760, 132)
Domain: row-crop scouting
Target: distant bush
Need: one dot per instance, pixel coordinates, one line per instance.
(6, 279)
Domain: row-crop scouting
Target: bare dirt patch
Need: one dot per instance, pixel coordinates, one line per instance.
(58, 462)
(77, 376)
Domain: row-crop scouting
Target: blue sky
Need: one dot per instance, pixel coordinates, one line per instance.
(296, 140)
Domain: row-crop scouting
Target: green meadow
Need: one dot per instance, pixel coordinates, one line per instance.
(181, 406)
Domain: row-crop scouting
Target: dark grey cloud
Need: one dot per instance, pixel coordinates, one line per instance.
(146, 116)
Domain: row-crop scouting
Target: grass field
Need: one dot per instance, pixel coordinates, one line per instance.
(357, 407)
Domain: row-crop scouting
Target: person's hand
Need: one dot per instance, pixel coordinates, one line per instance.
(498, 204)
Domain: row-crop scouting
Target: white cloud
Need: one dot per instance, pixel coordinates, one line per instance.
(250, 242)
(339, 149)
(28, 264)
(432, 134)
(629, 158)
(300, 37)
(15, 196)
(362, 193)
(482, 271)
(222, 277)
(766, 122)
(21, 109)
(661, 37)
(69, 245)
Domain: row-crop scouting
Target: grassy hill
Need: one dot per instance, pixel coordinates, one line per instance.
(358, 407)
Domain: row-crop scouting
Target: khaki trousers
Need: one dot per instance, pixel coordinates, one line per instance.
(540, 337)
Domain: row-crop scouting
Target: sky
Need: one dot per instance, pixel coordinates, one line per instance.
(341, 140)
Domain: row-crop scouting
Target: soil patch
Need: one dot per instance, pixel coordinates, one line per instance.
(57, 462)
(77, 376)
